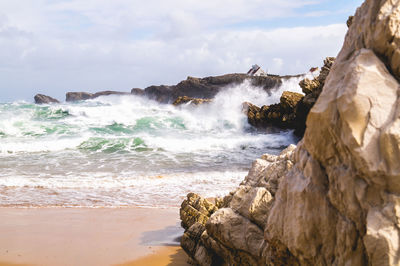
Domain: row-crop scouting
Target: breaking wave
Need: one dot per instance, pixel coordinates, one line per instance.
(114, 150)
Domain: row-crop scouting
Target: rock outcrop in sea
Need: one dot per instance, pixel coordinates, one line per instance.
(43, 99)
(194, 88)
(282, 114)
(205, 88)
(79, 96)
(293, 108)
(335, 198)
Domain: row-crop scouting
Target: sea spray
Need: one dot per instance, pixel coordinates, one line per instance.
(130, 151)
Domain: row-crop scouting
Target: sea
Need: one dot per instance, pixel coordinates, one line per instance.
(123, 151)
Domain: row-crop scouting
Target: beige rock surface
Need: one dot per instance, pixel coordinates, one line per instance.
(335, 198)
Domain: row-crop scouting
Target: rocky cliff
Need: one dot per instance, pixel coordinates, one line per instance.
(335, 198)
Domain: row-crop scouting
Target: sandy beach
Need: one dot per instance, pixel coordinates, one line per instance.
(85, 236)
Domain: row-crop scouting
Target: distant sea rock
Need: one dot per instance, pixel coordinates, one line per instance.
(137, 91)
(42, 99)
(195, 88)
(205, 88)
(335, 198)
(79, 96)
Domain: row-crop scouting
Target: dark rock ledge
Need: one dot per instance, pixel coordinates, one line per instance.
(205, 88)
(195, 88)
(79, 96)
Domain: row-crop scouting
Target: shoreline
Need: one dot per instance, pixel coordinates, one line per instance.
(90, 236)
(171, 256)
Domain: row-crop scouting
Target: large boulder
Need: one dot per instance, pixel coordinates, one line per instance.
(289, 101)
(335, 198)
(195, 209)
(42, 99)
(194, 213)
(80, 96)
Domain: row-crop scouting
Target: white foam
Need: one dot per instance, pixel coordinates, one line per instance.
(206, 126)
(112, 190)
(218, 143)
(44, 161)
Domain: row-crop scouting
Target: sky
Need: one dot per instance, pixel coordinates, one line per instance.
(56, 46)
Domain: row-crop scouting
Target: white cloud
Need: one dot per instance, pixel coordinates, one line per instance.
(277, 65)
(43, 16)
(57, 46)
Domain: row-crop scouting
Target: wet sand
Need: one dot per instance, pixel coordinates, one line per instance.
(171, 256)
(84, 236)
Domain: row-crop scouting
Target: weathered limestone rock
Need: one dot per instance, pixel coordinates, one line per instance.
(41, 99)
(335, 199)
(281, 115)
(289, 101)
(312, 89)
(253, 113)
(376, 27)
(193, 101)
(235, 231)
(308, 86)
(253, 203)
(195, 210)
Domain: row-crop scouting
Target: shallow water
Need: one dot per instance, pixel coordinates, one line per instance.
(130, 151)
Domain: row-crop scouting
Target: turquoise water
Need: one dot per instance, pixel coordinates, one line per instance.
(128, 151)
